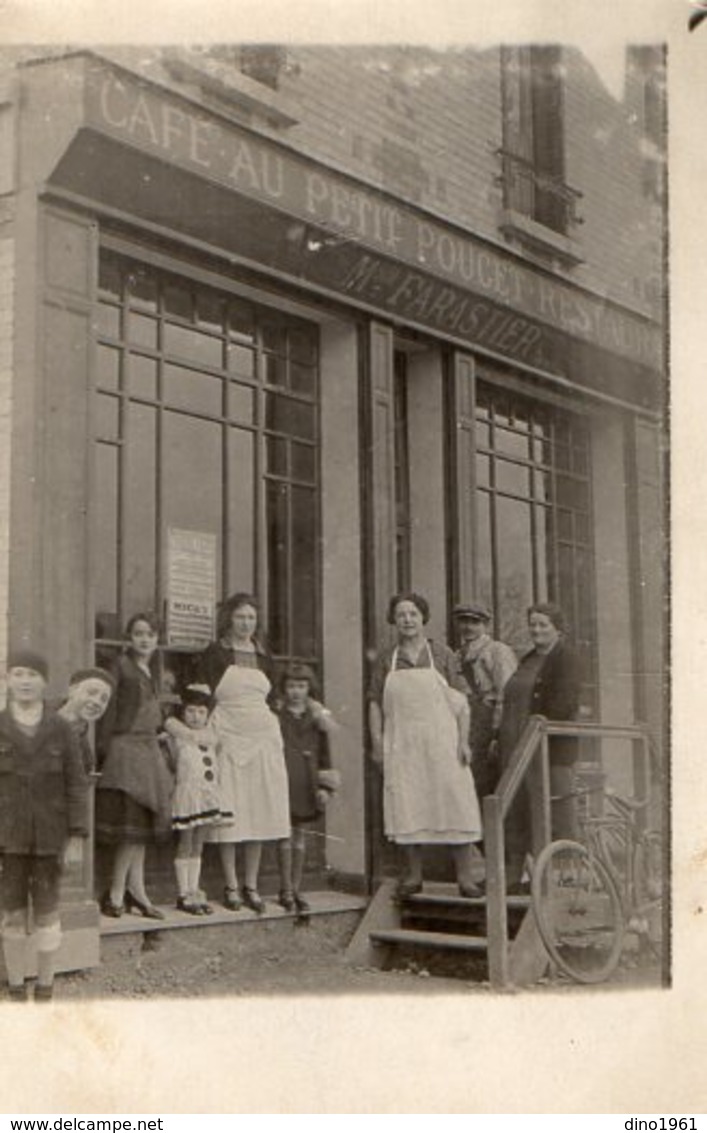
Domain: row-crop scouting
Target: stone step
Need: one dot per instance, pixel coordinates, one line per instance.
(435, 940)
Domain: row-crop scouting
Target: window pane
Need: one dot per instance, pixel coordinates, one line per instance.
(542, 486)
(142, 290)
(241, 360)
(209, 310)
(108, 320)
(542, 552)
(278, 565)
(272, 333)
(178, 300)
(109, 276)
(143, 376)
(193, 345)
(512, 478)
(303, 344)
(107, 417)
(240, 520)
(108, 368)
(304, 572)
(285, 415)
(192, 487)
(276, 450)
(191, 390)
(106, 541)
(511, 444)
(142, 330)
(241, 404)
(484, 556)
(241, 320)
(483, 435)
(515, 570)
(572, 493)
(564, 524)
(140, 560)
(483, 473)
(275, 371)
(580, 461)
(562, 457)
(303, 379)
(304, 463)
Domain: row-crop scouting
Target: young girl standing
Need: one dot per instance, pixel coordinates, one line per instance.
(196, 803)
(305, 725)
(133, 800)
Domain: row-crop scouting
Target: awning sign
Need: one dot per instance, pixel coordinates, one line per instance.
(191, 587)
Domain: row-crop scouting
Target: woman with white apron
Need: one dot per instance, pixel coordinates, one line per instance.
(252, 772)
(419, 723)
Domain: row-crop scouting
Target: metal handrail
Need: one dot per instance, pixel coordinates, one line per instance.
(531, 757)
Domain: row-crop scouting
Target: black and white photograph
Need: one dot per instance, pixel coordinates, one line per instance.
(335, 498)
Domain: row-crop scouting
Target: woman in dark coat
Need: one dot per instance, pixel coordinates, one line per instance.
(546, 683)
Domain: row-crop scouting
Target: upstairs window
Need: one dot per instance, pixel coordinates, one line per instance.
(533, 152)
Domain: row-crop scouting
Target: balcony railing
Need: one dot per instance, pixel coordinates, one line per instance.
(546, 199)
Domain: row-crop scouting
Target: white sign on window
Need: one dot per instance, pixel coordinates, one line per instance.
(191, 587)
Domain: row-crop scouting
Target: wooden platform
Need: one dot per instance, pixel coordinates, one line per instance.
(322, 902)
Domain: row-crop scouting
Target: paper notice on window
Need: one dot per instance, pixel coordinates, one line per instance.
(191, 587)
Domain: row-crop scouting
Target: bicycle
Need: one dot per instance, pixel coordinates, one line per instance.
(588, 896)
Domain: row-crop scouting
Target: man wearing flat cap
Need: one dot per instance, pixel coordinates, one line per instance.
(487, 666)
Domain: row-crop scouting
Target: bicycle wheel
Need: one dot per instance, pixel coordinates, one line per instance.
(578, 911)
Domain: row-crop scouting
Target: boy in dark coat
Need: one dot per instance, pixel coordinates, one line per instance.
(43, 816)
(305, 726)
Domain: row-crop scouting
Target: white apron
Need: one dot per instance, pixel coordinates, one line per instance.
(428, 795)
(252, 770)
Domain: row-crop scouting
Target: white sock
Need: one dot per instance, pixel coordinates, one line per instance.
(181, 869)
(193, 875)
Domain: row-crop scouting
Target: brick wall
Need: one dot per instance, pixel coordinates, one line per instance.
(425, 125)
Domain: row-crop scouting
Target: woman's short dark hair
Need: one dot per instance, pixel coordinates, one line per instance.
(409, 596)
(144, 616)
(297, 671)
(229, 605)
(551, 611)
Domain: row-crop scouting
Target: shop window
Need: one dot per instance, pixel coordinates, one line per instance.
(533, 518)
(206, 419)
(533, 152)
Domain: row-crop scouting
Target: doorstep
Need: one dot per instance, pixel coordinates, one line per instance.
(323, 903)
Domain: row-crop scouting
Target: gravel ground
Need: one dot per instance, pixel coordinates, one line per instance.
(282, 958)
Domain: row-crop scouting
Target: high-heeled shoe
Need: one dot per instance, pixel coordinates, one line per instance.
(144, 908)
(286, 900)
(252, 899)
(108, 908)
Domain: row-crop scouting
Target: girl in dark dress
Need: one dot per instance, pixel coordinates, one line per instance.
(305, 725)
(546, 683)
(133, 800)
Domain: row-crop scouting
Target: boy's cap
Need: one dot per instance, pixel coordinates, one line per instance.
(94, 674)
(27, 659)
(476, 610)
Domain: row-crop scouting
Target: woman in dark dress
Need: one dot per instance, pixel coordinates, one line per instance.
(546, 683)
(133, 799)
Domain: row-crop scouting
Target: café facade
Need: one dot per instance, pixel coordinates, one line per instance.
(230, 363)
